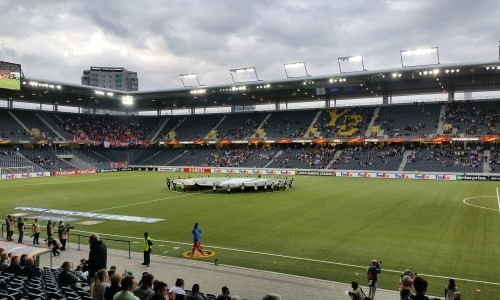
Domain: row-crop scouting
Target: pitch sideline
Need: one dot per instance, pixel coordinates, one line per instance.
(292, 257)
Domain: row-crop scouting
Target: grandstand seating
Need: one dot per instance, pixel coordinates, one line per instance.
(446, 158)
(343, 123)
(288, 124)
(418, 120)
(240, 126)
(415, 120)
(369, 158)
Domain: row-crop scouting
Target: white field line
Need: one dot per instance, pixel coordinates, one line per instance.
(144, 202)
(465, 202)
(65, 181)
(498, 199)
(292, 257)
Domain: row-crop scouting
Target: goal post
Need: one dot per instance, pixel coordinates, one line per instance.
(15, 170)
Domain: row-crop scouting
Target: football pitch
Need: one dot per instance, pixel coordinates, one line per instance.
(324, 227)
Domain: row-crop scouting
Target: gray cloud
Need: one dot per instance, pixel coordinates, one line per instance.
(162, 39)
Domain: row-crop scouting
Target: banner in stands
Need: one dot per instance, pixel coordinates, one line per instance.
(420, 176)
(316, 173)
(25, 175)
(74, 172)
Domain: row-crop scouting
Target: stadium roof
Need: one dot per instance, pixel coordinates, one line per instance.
(431, 79)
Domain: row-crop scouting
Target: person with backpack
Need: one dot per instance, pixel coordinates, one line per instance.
(450, 290)
(357, 293)
(372, 274)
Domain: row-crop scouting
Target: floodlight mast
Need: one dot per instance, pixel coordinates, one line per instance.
(355, 58)
(250, 70)
(417, 52)
(296, 65)
(193, 77)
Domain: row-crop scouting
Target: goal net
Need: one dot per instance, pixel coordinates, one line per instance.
(16, 170)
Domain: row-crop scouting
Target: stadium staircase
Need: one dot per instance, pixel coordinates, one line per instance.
(486, 164)
(159, 130)
(276, 156)
(404, 161)
(442, 114)
(372, 121)
(260, 128)
(335, 157)
(19, 122)
(26, 161)
(209, 135)
(150, 157)
(50, 126)
(75, 161)
(311, 126)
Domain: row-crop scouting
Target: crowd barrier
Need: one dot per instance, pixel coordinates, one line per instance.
(278, 172)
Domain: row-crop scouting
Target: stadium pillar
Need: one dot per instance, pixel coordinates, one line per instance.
(327, 103)
(277, 106)
(385, 99)
(451, 95)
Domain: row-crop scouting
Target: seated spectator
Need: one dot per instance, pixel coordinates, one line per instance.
(178, 289)
(420, 285)
(111, 271)
(66, 277)
(80, 274)
(161, 292)
(3, 262)
(98, 287)
(30, 270)
(128, 284)
(114, 288)
(225, 294)
(145, 291)
(271, 297)
(14, 267)
(195, 293)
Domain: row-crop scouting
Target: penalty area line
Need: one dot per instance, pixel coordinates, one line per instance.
(291, 257)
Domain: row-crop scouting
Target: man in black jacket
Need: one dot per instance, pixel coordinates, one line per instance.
(97, 256)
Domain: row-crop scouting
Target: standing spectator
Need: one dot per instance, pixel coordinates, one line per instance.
(145, 291)
(196, 240)
(9, 223)
(98, 255)
(128, 285)
(35, 230)
(147, 249)
(114, 287)
(50, 228)
(62, 231)
(372, 275)
(20, 227)
(100, 284)
(450, 290)
(195, 293)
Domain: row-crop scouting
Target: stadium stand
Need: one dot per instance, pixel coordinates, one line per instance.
(347, 122)
(287, 124)
(239, 126)
(472, 119)
(369, 158)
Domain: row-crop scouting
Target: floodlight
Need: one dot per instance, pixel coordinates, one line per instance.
(189, 80)
(127, 100)
(351, 64)
(294, 70)
(419, 57)
(244, 75)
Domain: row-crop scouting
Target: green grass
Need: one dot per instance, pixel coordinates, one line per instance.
(421, 225)
(11, 84)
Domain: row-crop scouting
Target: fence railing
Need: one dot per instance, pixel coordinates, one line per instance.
(78, 236)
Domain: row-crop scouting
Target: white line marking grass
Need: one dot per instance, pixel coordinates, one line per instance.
(290, 257)
(61, 180)
(498, 199)
(465, 201)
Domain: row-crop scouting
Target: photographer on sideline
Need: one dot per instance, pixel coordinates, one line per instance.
(372, 275)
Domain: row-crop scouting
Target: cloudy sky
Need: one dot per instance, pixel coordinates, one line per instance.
(161, 39)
